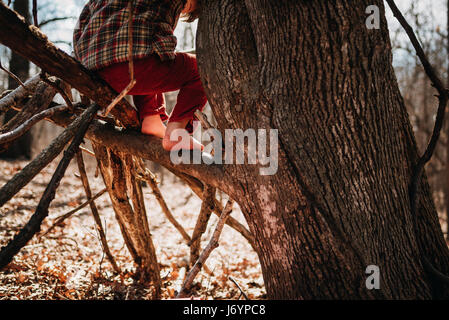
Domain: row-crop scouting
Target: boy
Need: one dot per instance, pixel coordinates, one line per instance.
(101, 44)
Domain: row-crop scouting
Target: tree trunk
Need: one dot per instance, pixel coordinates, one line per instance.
(312, 70)
(446, 190)
(20, 67)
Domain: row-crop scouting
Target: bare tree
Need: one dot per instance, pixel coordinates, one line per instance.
(348, 192)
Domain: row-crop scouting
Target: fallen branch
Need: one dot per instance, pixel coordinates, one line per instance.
(23, 177)
(213, 243)
(60, 90)
(36, 47)
(201, 223)
(24, 127)
(94, 210)
(19, 94)
(33, 226)
(39, 101)
(149, 177)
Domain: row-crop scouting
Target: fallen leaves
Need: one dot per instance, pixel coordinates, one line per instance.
(69, 264)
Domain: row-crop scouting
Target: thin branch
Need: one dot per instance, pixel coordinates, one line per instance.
(132, 81)
(19, 94)
(12, 75)
(94, 210)
(201, 223)
(443, 99)
(56, 19)
(61, 91)
(34, 224)
(149, 177)
(35, 13)
(146, 175)
(207, 251)
(24, 127)
(240, 288)
(91, 153)
(67, 215)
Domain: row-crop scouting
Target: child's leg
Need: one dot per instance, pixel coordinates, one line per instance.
(152, 113)
(155, 77)
(191, 97)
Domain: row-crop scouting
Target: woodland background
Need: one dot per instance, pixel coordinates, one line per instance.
(69, 263)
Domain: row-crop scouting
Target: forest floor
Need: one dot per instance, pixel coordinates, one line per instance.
(69, 263)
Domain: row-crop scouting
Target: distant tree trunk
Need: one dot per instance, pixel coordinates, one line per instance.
(21, 68)
(447, 136)
(340, 200)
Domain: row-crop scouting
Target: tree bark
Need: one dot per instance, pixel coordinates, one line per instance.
(124, 189)
(315, 67)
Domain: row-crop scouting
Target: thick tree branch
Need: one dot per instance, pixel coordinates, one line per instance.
(146, 147)
(36, 47)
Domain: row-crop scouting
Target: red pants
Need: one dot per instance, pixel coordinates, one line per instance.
(153, 78)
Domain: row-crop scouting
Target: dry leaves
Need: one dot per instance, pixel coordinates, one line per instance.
(69, 263)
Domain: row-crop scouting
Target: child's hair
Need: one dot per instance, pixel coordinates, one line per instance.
(192, 16)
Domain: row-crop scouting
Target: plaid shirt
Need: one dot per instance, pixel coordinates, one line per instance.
(101, 35)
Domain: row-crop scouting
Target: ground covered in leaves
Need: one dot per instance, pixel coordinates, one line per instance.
(69, 263)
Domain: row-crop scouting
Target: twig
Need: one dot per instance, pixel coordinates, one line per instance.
(67, 215)
(132, 81)
(91, 153)
(238, 286)
(201, 223)
(33, 226)
(12, 98)
(24, 127)
(58, 89)
(12, 75)
(197, 187)
(443, 99)
(96, 215)
(149, 177)
(35, 13)
(207, 251)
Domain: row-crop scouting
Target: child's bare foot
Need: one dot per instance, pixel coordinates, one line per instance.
(184, 141)
(153, 125)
